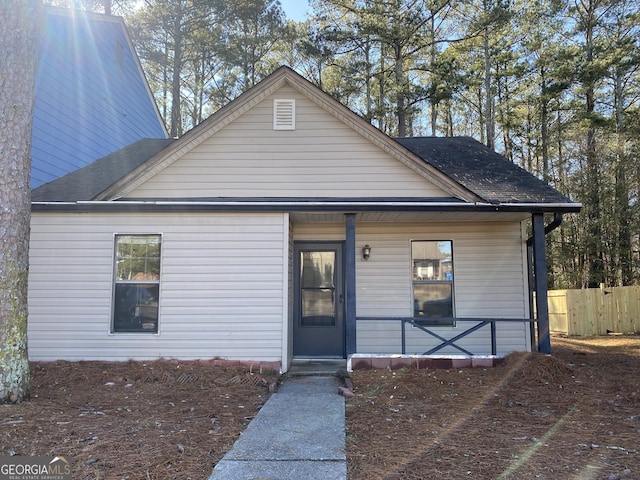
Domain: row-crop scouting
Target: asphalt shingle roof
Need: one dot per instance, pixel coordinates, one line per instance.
(482, 171)
(87, 182)
(479, 169)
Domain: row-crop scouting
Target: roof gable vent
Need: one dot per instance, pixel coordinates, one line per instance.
(284, 114)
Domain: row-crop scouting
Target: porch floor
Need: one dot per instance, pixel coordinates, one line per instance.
(317, 366)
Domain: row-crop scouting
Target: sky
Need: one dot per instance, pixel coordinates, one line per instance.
(295, 9)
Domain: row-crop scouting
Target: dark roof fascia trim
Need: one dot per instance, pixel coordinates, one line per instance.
(297, 206)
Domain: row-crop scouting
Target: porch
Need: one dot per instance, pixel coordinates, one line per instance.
(536, 266)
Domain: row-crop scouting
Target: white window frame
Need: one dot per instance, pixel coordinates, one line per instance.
(436, 279)
(137, 309)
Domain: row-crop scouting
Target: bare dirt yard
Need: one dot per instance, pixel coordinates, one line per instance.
(574, 415)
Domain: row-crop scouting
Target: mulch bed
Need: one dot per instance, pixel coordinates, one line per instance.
(135, 420)
(574, 415)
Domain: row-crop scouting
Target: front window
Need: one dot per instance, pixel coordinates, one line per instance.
(136, 284)
(432, 273)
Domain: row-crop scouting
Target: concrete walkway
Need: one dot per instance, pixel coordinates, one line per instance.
(298, 434)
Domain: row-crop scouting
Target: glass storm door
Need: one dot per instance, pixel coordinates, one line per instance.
(318, 329)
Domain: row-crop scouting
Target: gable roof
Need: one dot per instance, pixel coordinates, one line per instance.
(483, 171)
(476, 177)
(91, 95)
(85, 183)
(284, 76)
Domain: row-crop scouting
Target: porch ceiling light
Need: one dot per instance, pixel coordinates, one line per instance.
(366, 252)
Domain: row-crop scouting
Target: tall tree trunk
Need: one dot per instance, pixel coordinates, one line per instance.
(528, 134)
(481, 116)
(544, 125)
(449, 119)
(165, 91)
(382, 91)
(595, 260)
(502, 88)
(489, 100)
(624, 214)
(368, 81)
(433, 51)
(434, 118)
(176, 107)
(400, 95)
(20, 26)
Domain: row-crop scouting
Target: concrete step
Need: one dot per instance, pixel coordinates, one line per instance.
(315, 366)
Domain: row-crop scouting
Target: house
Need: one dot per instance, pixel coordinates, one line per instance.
(285, 226)
(92, 97)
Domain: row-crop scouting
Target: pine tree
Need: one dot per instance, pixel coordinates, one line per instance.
(20, 27)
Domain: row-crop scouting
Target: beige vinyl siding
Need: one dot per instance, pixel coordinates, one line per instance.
(222, 283)
(322, 157)
(489, 281)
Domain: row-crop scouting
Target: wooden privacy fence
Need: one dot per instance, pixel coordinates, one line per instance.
(595, 311)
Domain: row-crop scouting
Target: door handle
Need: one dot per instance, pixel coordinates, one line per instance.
(340, 298)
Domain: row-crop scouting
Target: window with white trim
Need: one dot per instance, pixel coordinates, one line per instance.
(432, 281)
(136, 286)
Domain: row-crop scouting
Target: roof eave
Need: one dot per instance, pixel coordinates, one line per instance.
(251, 205)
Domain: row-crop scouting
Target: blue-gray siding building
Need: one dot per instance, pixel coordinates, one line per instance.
(92, 97)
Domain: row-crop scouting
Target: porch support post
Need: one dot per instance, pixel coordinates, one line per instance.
(350, 283)
(531, 280)
(540, 272)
